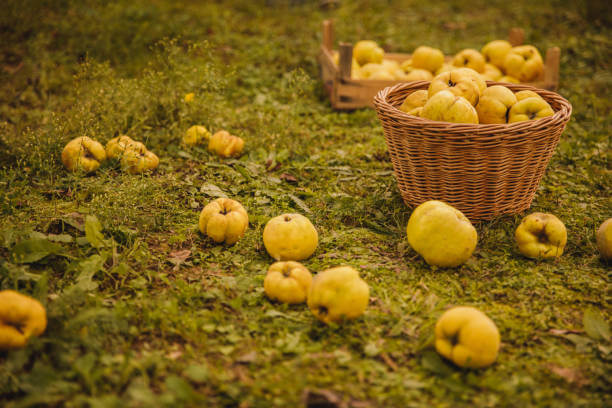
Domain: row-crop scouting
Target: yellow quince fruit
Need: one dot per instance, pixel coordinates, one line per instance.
(470, 58)
(441, 234)
(337, 294)
(494, 104)
(290, 237)
(137, 159)
(83, 154)
(462, 82)
(428, 58)
(416, 99)
(444, 106)
(21, 317)
(520, 95)
(224, 220)
(604, 239)
(524, 63)
(541, 235)
(225, 145)
(287, 282)
(529, 109)
(368, 51)
(116, 146)
(467, 337)
(196, 135)
(495, 52)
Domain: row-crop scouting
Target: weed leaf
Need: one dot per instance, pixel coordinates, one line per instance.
(33, 250)
(431, 361)
(595, 325)
(93, 232)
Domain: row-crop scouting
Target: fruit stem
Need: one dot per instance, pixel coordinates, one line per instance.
(323, 310)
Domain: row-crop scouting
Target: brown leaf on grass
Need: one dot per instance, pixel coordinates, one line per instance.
(571, 375)
(453, 25)
(561, 332)
(329, 399)
(179, 257)
(288, 178)
(247, 358)
(13, 69)
(322, 399)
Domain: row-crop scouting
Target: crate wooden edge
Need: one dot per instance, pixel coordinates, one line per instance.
(346, 93)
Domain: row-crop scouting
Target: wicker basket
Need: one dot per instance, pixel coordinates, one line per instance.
(483, 170)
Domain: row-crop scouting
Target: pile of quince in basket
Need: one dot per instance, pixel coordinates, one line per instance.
(496, 61)
(462, 96)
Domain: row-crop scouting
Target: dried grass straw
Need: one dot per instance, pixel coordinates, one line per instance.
(483, 170)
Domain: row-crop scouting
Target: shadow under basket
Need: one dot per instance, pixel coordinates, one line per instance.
(483, 170)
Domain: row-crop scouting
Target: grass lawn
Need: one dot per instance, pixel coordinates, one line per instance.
(144, 311)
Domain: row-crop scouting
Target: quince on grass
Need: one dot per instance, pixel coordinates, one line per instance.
(290, 237)
(541, 235)
(441, 234)
(467, 337)
(225, 145)
(21, 317)
(288, 282)
(337, 294)
(224, 220)
(83, 154)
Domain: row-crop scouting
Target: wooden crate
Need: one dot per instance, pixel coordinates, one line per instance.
(347, 93)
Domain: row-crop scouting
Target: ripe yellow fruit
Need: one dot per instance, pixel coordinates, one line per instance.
(529, 109)
(444, 106)
(290, 237)
(495, 52)
(467, 337)
(368, 51)
(415, 100)
(470, 58)
(524, 63)
(21, 317)
(116, 146)
(494, 104)
(136, 158)
(195, 135)
(604, 239)
(225, 145)
(462, 82)
(337, 294)
(288, 282)
(224, 220)
(428, 58)
(83, 154)
(541, 235)
(441, 234)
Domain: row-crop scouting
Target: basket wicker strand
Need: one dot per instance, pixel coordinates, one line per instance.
(483, 170)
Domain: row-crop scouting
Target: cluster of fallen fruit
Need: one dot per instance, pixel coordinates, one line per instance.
(441, 234)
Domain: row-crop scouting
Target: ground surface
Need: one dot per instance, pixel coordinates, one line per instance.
(151, 313)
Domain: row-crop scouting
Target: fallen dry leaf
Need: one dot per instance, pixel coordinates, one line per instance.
(561, 332)
(179, 257)
(247, 358)
(571, 375)
(329, 399)
(288, 178)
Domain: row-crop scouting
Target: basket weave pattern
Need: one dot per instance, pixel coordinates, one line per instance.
(483, 170)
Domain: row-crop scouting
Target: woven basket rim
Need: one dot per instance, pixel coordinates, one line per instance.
(563, 112)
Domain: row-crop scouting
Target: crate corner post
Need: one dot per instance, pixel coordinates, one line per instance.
(551, 71)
